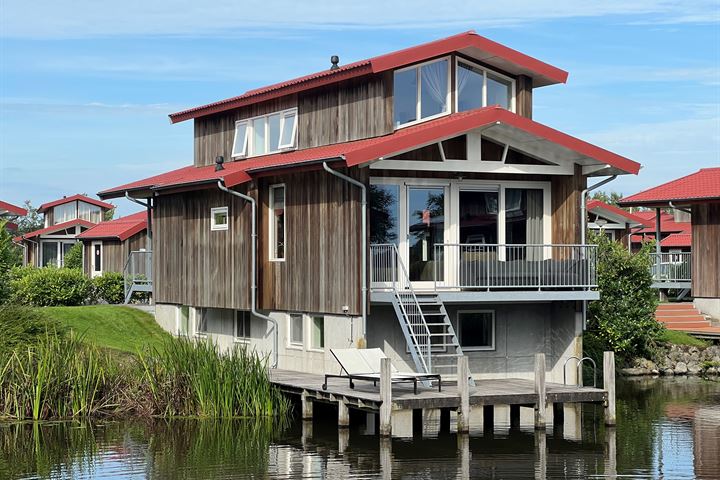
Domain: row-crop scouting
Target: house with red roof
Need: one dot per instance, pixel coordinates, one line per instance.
(10, 213)
(408, 201)
(698, 267)
(64, 220)
(614, 222)
(107, 245)
(676, 225)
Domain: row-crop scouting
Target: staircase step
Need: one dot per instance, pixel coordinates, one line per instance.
(674, 306)
(443, 355)
(686, 325)
(678, 319)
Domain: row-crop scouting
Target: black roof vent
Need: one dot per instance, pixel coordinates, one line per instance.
(334, 60)
(219, 160)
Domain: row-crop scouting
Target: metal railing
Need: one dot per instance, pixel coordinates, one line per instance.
(137, 273)
(671, 267)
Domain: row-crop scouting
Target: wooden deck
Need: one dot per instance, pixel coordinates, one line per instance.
(366, 396)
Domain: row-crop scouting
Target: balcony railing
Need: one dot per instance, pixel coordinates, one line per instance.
(137, 274)
(499, 267)
(671, 267)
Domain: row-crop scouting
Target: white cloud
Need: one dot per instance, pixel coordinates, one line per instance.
(92, 18)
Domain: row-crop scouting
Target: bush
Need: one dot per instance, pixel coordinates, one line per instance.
(50, 286)
(10, 256)
(23, 326)
(74, 257)
(623, 319)
(110, 287)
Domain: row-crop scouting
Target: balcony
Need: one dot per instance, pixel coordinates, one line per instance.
(671, 270)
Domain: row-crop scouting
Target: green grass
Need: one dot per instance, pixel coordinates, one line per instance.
(113, 327)
(681, 338)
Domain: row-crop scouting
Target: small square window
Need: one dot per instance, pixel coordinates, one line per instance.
(318, 332)
(477, 330)
(296, 329)
(243, 321)
(219, 218)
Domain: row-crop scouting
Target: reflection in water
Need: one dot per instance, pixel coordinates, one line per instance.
(667, 428)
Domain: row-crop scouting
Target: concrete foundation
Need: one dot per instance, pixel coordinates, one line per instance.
(708, 306)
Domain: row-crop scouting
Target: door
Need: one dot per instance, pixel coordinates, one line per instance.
(425, 230)
(96, 259)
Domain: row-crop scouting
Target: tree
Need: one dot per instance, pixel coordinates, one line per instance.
(109, 214)
(74, 257)
(611, 198)
(10, 256)
(30, 222)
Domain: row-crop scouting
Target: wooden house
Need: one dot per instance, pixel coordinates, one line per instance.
(107, 245)
(616, 223)
(408, 201)
(10, 213)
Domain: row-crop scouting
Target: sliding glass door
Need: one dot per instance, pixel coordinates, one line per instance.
(426, 228)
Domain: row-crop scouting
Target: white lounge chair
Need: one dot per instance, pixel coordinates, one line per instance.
(364, 364)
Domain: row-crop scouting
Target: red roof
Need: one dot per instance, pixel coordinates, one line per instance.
(13, 209)
(45, 206)
(698, 186)
(121, 228)
(677, 240)
(598, 207)
(55, 228)
(667, 223)
(471, 43)
(370, 149)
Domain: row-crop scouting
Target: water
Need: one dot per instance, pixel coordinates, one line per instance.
(667, 428)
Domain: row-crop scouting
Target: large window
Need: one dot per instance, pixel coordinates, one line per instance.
(477, 87)
(50, 254)
(265, 134)
(277, 222)
(384, 213)
(65, 212)
(421, 92)
(478, 217)
(91, 213)
(524, 223)
(477, 330)
(426, 228)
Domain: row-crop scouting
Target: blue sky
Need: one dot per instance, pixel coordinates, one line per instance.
(85, 88)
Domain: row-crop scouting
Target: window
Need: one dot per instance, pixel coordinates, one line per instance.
(49, 254)
(183, 320)
(65, 213)
(421, 92)
(265, 134)
(524, 223)
(243, 321)
(384, 213)
(201, 321)
(96, 258)
(296, 329)
(219, 218)
(91, 213)
(277, 222)
(477, 87)
(318, 333)
(477, 330)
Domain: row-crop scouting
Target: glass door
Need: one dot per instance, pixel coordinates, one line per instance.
(425, 229)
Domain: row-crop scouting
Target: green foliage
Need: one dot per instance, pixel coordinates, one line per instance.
(10, 256)
(50, 286)
(611, 198)
(74, 257)
(108, 215)
(30, 222)
(623, 319)
(110, 287)
(24, 325)
(681, 338)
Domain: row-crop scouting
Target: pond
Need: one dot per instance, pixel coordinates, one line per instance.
(667, 428)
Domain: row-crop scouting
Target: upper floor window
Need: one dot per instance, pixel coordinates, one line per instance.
(477, 87)
(277, 222)
(65, 212)
(91, 213)
(421, 92)
(265, 134)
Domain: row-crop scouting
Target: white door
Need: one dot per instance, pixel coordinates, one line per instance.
(96, 259)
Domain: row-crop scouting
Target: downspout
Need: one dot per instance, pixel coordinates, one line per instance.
(583, 229)
(363, 202)
(148, 206)
(253, 268)
(678, 208)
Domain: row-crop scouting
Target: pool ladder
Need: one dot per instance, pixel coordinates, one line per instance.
(579, 369)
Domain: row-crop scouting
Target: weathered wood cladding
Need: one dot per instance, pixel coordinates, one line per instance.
(114, 252)
(321, 271)
(193, 265)
(706, 250)
(523, 96)
(566, 191)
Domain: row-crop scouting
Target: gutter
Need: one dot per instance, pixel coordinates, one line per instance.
(363, 202)
(148, 205)
(678, 208)
(253, 268)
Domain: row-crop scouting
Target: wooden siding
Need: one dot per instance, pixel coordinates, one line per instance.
(523, 96)
(566, 191)
(321, 271)
(706, 250)
(193, 265)
(114, 252)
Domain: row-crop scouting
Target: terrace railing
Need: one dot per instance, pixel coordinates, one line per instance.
(137, 273)
(671, 267)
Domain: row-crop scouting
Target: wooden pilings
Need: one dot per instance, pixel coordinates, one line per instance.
(609, 386)
(463, 412)
(385, 398)
(540, 391)
(307, 406)
(343, 414)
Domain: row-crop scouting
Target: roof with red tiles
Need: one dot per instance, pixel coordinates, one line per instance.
(677, 240)
(55, 228)
(600, 208)
(6, 207)
(698, 187)
(121, 228)
(93, 201)
(362, 151)
(470, 43)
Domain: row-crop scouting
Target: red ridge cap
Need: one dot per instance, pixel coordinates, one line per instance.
(55, 228)
(14, 209)
(45, 206)
(121, 228)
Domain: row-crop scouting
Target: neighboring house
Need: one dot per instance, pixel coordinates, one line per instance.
(698, 268)
(473, 216)
(64, 220)
(676, 224)
(616, 223)
(107, 245)
(10, 214)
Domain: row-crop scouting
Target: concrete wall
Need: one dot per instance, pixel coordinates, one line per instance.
(708, 306)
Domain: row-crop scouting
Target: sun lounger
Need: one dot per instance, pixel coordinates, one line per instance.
(364, 364)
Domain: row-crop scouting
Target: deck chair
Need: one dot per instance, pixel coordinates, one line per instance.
(364, 364)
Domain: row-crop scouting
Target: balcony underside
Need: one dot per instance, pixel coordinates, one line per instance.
(677, 284)
(495, 296)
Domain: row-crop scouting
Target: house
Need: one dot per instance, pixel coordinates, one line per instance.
(10, 214)
(698, 269)
(408, 201)
(64, 220)
(616, 223)
(675, 231)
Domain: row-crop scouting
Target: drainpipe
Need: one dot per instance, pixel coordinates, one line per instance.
(363, 202)
(678, 208)
(253, 268)
(583, 229)
(148, 205)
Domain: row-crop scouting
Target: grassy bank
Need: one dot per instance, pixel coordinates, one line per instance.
(675, 337)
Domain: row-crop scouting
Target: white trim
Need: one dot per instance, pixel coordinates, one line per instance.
(219, 226)
(293, 136)
(485, 70)
(93, 272)
(311, 347)
(271, 223)
(472, 167)
(418, 93)
(492, 336)
(243, 151)
(249, 145)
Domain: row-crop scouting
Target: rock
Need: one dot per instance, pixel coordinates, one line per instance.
(712, 371)
(655, 371)
(669, 372)
(694, 369)
(645, 364)
(634, 372)
(681, 368)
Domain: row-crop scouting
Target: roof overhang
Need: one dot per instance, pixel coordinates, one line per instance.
(55, 228)
(616, 215)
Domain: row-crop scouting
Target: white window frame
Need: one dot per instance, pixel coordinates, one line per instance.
(248, 145)
(93, 272)
(418, 93)
(219, 226)
(492, 336)
(197, 315)
(485, 70)
(271, 223)
(312, 347)
(238, 318)
(290, 343)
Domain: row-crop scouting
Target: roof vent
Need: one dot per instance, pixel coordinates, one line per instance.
(219, 160)
(334, 60)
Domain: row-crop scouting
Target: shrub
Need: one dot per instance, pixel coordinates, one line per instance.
(110, 287)
(623, 319)
(24, 325)
(74, 257)
(10, 256)
(50, 286)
